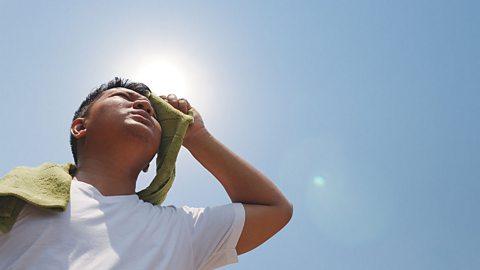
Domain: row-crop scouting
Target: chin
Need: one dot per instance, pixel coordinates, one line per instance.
(143, 131)
(145, 140)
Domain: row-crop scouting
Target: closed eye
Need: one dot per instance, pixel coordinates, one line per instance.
(127, 97)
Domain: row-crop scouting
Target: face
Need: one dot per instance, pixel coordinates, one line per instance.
(121, 115)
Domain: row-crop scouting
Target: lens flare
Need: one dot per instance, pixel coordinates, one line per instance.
(343, 210)
(318, 181)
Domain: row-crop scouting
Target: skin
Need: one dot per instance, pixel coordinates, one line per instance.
(112, 166)
(106, 161)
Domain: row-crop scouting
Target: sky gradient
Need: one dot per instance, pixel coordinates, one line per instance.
(364, 113)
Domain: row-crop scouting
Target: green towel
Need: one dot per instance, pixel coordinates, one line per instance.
(48, 186)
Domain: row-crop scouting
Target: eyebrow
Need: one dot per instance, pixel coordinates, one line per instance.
(137, 96)
(131, 93)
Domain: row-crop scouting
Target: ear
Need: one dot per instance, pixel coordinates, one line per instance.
(146, 168)
(78, 128)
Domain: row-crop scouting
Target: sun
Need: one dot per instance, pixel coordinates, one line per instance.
(163, 77)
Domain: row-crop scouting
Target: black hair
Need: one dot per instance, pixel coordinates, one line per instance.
(82, 111)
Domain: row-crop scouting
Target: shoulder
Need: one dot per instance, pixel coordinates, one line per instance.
(227, 213)
(230, 210)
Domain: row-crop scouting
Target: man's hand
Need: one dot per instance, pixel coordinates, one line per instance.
(194, 129)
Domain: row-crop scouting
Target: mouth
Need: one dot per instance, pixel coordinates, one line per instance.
(142, 117)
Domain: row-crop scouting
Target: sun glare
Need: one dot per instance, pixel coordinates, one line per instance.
(163, 78)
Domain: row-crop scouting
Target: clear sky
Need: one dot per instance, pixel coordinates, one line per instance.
(365, 113)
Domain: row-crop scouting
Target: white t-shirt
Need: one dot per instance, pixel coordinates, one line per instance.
(121, 232)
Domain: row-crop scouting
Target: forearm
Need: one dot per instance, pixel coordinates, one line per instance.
(242, 181)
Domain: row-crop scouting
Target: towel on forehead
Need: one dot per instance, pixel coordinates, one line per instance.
(48, 186)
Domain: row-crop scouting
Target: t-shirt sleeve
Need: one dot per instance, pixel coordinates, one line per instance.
(215, 233)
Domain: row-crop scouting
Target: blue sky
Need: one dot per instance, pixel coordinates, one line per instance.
(365, 113)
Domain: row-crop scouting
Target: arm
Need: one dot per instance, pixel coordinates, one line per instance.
(266, 209)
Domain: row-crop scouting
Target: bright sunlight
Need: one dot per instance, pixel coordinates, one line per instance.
(163, 77)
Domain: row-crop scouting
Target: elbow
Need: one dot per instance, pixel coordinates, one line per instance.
(290, 211)
(287, 212)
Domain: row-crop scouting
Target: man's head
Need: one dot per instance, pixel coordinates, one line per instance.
(116, 114)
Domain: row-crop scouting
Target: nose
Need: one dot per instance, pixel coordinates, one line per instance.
(143, 105)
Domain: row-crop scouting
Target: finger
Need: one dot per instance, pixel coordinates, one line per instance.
(163, 97)
(183, 105)
(186, 101)
(172, 99)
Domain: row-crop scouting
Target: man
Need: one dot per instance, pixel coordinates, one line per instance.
(114, 136)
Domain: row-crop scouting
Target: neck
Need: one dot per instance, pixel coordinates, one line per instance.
(111, 165)
(107, 176)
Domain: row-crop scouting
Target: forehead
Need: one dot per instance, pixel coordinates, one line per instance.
(129, 92)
